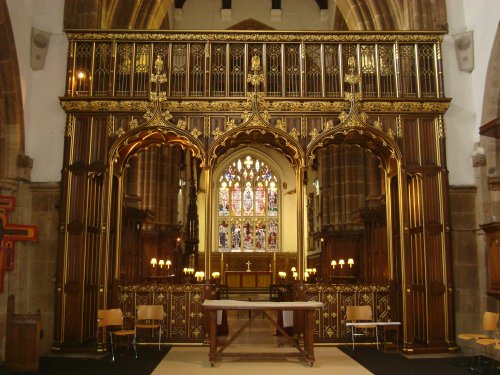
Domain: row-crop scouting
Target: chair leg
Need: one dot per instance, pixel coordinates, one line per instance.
(376, 335)
(352, 335)
(159, 337)
(112, 347)
(134, 344)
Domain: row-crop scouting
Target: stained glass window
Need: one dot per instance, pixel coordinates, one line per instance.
(248, 201)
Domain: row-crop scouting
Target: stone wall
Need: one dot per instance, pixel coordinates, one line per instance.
(32, 279)
(466, 262)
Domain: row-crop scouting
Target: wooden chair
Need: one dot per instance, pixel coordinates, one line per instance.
(361, 317)
(490, 320)
(112, 321)
(150, 317)
(487, 343)
(275, 293)
(222, 291)
(496, 362)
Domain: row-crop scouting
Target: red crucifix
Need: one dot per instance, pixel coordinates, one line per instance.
(9, 234)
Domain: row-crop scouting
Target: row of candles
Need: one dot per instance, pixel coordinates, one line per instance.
(200, 275)
(307, 273)
(161, 263)
(341, 263)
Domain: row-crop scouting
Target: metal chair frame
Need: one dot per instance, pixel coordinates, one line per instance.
(114, 318)
(150, 317)
(359, 316)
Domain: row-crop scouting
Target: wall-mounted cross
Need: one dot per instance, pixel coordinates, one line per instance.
(9, 234)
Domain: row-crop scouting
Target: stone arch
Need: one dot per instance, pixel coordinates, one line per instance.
(250, 24)
(358, 15)
(491, 99)
(393, 14)
(11, 104)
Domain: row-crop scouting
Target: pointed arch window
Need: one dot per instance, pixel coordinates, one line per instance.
(248, 199)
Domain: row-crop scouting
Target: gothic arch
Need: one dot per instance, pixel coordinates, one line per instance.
(374, 140)
(359, 15)
(264, 154)
(250, 24)
(145, 136)
(491, 99)
(11, 104)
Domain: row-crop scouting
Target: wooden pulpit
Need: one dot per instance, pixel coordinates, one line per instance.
(22, 352)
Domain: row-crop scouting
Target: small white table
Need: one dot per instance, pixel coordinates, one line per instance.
(386, 328)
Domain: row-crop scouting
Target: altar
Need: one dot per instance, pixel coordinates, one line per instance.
(248, 279)
(304, 342)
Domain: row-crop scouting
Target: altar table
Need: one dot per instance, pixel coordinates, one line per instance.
(248, 279)
(217, 350)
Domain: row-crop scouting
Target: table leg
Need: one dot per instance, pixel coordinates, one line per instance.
(212, 355)
(392, 331)
(309, 337)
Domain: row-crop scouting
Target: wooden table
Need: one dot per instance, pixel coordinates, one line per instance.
(248, 279)
(217, 350)
(392, 327)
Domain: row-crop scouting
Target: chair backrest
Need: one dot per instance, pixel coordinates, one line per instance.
(222, 292)
(359, 313)
(275, 293)
(490, 320)
(110, 317)
(150, 312)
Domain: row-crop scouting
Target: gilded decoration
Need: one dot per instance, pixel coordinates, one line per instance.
(230, 125)
(195, 133)
(338, 105)
(441, 131)
(133, 123)
(181, 124)
(280, 125)
(70, 126)
(352, 37)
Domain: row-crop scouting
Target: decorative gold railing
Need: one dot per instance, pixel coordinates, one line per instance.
(217, 64)
(329, 324)
(184, 315)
